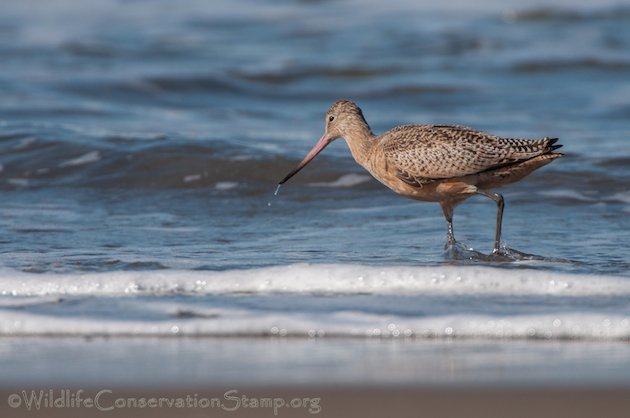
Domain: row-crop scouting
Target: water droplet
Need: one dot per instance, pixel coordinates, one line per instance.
(275, 194)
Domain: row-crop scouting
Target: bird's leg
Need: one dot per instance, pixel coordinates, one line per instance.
(500, 204)
(448, 214)
(450, 237)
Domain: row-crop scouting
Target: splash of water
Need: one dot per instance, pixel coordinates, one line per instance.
(461, 252)
(275, 193)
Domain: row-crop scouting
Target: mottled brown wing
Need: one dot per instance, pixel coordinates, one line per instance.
(424, 153)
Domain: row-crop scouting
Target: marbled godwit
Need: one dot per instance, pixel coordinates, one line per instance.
(435, 163)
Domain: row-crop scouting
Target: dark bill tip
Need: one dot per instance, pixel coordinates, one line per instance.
(321, 144)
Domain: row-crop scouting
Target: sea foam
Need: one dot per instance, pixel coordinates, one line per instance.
(318, 278)
(307, 300)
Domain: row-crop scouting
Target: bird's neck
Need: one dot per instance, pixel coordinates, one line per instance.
(360, 141)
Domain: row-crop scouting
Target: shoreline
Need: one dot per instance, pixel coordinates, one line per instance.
(337, 377)
(311, 362)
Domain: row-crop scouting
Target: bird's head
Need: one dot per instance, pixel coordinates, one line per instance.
(342, 117)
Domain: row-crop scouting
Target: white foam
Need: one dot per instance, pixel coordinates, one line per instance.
(18, 182)
(88, 158)
(242, 158)
(319, 300)
(24, 143)
(567, 194)
(242, 322)
(318, 278)
(191, 178)
(623, 197)
(225, 185)
(347, 180)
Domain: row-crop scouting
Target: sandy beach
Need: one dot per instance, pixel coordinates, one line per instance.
(361, 402)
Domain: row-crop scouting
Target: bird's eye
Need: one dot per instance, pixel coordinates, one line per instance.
(331, 118)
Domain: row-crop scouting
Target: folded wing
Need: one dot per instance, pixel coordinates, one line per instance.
(426, 153)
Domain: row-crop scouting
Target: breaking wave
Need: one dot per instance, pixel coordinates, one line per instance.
(304, 300)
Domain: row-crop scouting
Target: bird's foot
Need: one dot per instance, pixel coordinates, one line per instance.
(452, 245)
(505, 253)
(459, 251)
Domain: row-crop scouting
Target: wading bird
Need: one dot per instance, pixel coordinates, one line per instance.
(435, 163)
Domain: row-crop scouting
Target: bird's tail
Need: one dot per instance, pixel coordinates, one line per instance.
(549, 145)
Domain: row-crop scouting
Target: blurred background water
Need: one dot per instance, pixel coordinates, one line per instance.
(148, 136)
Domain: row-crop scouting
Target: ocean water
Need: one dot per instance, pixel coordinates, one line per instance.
(141, 143)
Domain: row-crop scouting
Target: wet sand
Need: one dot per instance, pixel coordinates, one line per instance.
(312, 377)
(367, 403)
